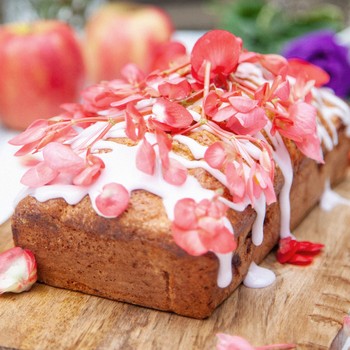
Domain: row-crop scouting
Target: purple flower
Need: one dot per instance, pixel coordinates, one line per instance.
(322, 49)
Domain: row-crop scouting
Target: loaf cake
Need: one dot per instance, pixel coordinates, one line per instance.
(165, 190)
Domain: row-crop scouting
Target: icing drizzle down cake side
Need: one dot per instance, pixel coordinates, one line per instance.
(194, 165)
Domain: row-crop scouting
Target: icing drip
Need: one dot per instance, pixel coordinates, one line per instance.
(258, 277)
(258, 226)
(225, 269)
(196, 149)
(225, 264)
(330, 199)
(282, 158)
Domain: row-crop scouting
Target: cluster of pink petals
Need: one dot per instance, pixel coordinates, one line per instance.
(61, 163)
(200, 227)
(17, 270)
(232, 107)
(230, 342)
(246, 178)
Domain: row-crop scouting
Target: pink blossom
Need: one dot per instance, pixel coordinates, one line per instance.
(40, 133)
(168, 54)
(200, 227)
(61, 159)
(243, 116)
(298, 67)
(300, 126)
(91, 172)
(135, 124)
(146, 157)
(216, 155)
(174, 172)
(17, 270)
(39, 175)
(236, 181)
(113, 200)
(274, 64)
(247, 178)
(231, 342)
(169, 115)
(133, 74)
(175, 89)
(219, 48)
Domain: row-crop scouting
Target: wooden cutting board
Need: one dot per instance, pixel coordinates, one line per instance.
(305, 306)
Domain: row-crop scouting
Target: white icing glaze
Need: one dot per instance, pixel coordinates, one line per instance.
(282, 158)
(330, 199)
(258, 277)
(121, 168)
(258, 226)
(225, 269)
(196, 149)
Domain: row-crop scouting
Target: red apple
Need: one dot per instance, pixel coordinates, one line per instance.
(41, 67)
(121, 33)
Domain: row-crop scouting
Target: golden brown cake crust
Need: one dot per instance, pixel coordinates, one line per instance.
(133, 258)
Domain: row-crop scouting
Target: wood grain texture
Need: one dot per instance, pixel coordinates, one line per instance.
(305, 306)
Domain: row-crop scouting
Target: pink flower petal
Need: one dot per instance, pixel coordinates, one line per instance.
(224, 113)
(229, 342)
(184, 214)
(218, 47)
(236, 182)
(211, 104)
(135, 124)
(164, 145)
(113, 200)
(124, 101)
(166, 53)
(87, 176)
(146, 157)
(175, 89)
(297, 67)
(175, 173)
(39, 175)
(248, 123)
(132, 73)
(171, 114)
(62, 158)
(216, 209)
(273, 63)
(215, 155)
(283, 91)
(34, 132)
(17, 270)
(215, 236)
(188, 240)
(243, 104)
